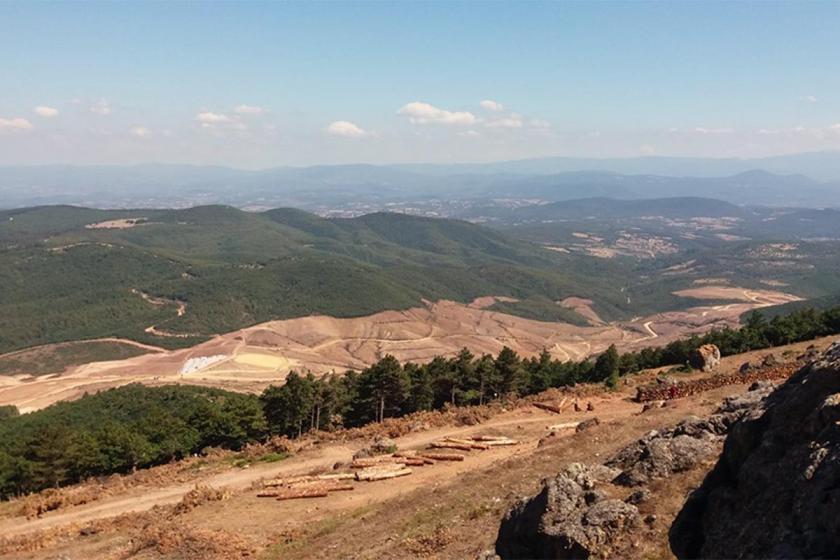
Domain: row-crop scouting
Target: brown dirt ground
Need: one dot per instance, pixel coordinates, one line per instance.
(447, 510)
(264, 354)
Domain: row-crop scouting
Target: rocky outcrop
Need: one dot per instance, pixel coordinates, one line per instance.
(570, 518)
(686, 445)
(575, 514)
(705, 358)
(775, 491)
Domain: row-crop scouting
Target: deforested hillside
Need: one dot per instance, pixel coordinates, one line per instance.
(173, 277)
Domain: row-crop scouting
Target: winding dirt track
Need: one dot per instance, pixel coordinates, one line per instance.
(323, 344)
(524, 420)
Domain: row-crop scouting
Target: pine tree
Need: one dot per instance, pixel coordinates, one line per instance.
(606, 365)
(511, 373)
(421, 393)
(384, 387)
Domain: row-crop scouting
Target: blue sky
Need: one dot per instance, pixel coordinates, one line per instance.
(262, 84)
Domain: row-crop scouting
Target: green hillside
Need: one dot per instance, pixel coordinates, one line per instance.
(65, 281)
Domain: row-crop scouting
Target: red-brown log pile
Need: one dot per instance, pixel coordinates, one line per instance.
(661, 392)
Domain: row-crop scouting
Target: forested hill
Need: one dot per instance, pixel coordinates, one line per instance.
(71, 273)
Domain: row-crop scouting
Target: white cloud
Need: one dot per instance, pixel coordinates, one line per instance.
(208, 119)
(512, 121)
(490, 105)
(469, 134)
(808, 99)
(46, 112)
(139, 131)
(419, 112)
(539, 123)
(15, 123)
(101, 107)
(249, 110)
(346, 129)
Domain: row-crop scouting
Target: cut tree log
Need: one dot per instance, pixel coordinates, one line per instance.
(444, 456)
(490, 438)
(459, 440)
(448, 445)
(548, 407)
(305, 479)
(371, 475)
(471, 443)
(288, 480)
(501, 442)
(293, 494)
(337, 476)
(556, 408)
(564, 426)
(364, 463)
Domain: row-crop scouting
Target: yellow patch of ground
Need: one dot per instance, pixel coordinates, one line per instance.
(261, 360)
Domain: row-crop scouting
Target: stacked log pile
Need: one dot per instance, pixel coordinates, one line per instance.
(382, 472)
(309, 486)
(382, 467)
(680, 389)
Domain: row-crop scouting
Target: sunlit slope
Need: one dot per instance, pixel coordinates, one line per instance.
(173, 277)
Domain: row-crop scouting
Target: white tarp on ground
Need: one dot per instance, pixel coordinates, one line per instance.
(201, 362)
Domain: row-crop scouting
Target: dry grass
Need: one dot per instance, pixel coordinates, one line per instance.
(430, 543)
(51, 499)
(158, 529)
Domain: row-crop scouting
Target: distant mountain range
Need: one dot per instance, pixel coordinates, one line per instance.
(822, 166)
(805, 180)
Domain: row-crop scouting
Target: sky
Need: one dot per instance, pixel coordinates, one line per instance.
(265, 84)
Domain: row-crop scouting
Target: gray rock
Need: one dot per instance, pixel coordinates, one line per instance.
(568, 519)
(587, 424)
(638, 497)
(775, 491)
(661, 457)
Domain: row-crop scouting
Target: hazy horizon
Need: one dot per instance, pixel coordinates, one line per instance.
(431, 164)
(266, 85)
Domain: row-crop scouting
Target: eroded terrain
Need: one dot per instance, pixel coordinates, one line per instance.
(252, 358)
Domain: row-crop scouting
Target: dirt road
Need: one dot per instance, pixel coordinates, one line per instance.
(324, 344)
(527, 424)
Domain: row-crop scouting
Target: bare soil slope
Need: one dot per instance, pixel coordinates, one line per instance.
(446, 510)
(252, 358)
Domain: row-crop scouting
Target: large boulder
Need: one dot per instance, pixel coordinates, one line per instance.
(775, 491)
(574, 515)
(705, 358)
(688, 444)
(569, 519)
